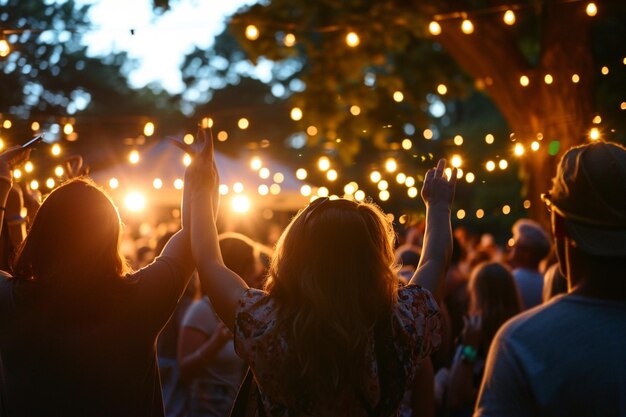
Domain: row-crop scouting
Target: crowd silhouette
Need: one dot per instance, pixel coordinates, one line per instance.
(340, 318)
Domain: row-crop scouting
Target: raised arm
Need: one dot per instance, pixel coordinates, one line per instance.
(437, 193)
(222, 285)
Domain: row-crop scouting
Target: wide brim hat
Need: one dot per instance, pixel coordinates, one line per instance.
(589, 192)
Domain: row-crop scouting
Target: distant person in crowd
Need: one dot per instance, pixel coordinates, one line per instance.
(493, 300)
(531, 244)
(333, 334)
(554, 283)
(77, 329)
(566, 358)
(206, 354)
(408, 259)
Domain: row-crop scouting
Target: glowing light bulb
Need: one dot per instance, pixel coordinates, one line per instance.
(17, 174)
(383, 185)
(605, 70)
(305, 190)
(489, 139)
(575, 78)
(534, 146)
(469, 177)
(591, 9)
(290, 40)
(524, 81)
(28, 166)
(34, 185)
(503, 164)
(148, 129)
(50, 183)
(323, 163)
(188, 139)
(135, 201)
(398, 96)
(252, 32)
(594, 133)
(409, 182)
(506, 209)
(296, 114)
(113, 183)
(5, 48)
(519, 149)
(456, 161)
(383, 195)
(133, 157)
(68, 129)
(256, 163)
(243, 123)
(59, 171)
(349, 189)
(355, 110)
(407, 144)
(548, 79)
(352, 40)
(467, 26)
(178, 184)
(322, 192)
(359, 195)
(509, 17)
(401, 178)
(7, 124)
(331, 175)
(56, 149)
(391, 165)
(490, 165)
(412, 192)
(458, 140)
(434, 28)
(301, 174)
(375, 176)
(460, 214)
(157, 183)
(442, 89)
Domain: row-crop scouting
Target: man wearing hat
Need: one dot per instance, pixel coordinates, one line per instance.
(568, 356)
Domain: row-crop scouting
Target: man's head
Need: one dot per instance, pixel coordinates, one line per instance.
(531, 244)
(588, 202)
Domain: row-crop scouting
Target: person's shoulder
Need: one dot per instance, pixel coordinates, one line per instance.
(415, 295)
(535, 320)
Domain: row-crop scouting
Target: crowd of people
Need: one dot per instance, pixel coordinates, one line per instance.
(340, 318)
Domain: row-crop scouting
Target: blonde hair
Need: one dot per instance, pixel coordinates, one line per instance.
(332, 277)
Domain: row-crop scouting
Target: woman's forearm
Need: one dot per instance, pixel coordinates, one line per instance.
(436, 251)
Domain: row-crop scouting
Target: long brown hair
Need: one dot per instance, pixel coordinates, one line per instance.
(332, 277)
(72, 249)
(493, 296)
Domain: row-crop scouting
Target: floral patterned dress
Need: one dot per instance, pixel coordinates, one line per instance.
(416, 330)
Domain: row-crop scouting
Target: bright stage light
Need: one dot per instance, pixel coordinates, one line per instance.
(135, 201)
(240, 204)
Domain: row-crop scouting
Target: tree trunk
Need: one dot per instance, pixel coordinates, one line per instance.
(559, 111)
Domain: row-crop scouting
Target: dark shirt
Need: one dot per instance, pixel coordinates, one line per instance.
(101, 367)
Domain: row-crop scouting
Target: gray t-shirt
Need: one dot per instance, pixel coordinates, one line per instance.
(530, 286)
(564, 358)
(214, 392)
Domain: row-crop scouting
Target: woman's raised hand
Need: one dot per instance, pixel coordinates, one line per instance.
(438, 191)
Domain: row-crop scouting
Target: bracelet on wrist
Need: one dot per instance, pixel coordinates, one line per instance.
(468, 354)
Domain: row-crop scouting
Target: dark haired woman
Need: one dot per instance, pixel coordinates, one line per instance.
(77, 329)
(493, 300)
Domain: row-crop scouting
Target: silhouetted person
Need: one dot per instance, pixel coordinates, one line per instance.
(77, 330)
(566, 358)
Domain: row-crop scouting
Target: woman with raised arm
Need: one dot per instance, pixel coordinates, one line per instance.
(77, 329)
(332, 334)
